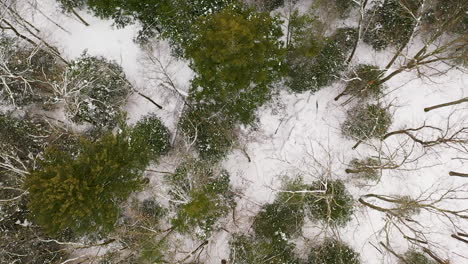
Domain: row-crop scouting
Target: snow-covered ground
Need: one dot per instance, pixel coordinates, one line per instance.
(298, 134)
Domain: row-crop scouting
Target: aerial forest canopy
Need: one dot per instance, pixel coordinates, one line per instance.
(233, 131)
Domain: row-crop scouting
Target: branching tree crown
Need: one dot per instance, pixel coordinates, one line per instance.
(334, 206)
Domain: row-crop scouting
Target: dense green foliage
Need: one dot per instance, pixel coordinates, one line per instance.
(83, 194)
(150, 132)
(367, 121)
(389, 24)
(334, 205)
(236, 56)
(251, 250)
(100, 90)
(213, 135)
(333, 252)
(284, 217)
(203, 196)
(69, 5)
(344, 6)
(173, 19)
(415, 257)
(314, 64)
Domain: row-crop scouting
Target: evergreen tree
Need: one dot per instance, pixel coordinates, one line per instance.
(83, 194)
(334, 205)
(236, 55)
(367, 121)
(333, 252)
(363, 82)
(390, 23)
(172, 19)
(365, 168)
(98, 89)
(203, 194)
(414, 257)
(151, 133)
(213, 135)
(283, 218)
(28, 73)
(314, 64)
(253, 250)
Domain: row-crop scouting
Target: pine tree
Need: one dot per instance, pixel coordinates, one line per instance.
(236, 55)
(84, 194)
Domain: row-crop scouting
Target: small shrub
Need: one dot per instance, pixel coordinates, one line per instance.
(414, 257)
(366, 168)
(333, 252)
(334, 205)
(389, 24)
(101, 90)
(284, 217)
(151, 132)
(369, 121)
(204, 196)
(364, 82)
(251, 250)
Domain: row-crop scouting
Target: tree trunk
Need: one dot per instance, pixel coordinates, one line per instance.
(459, 174)
(79, 17)
(340, 95)
(463, 100)
(361, 11)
